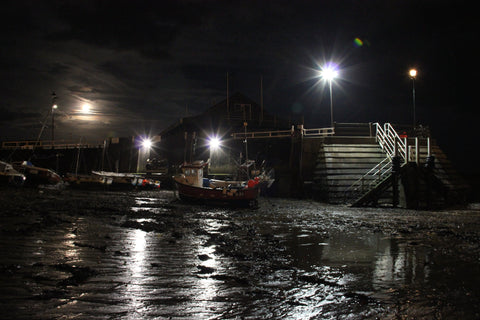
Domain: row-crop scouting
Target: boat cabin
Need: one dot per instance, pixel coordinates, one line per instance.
(193, 173)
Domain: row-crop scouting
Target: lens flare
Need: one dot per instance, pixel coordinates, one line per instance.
(357, 42)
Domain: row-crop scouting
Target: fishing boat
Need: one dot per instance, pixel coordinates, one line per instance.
(36, 175)
(10, 176)
(193, 186)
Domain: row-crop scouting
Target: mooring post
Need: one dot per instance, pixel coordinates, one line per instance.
(395, 174)
(416, 150)
(429, 166)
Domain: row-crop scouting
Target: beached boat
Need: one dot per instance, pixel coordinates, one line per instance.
(120, 181)
(127, 181)
(10, 176)
(192, 185)
(37, 175)
(109, 181)
(87, 181)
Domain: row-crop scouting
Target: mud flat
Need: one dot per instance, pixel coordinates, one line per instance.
(144, 255)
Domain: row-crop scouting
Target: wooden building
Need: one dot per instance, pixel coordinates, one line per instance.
(188, 139)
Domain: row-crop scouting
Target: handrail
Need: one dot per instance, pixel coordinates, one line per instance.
(390, 141)
(380, 169)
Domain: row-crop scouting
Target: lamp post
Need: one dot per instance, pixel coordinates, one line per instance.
(329, 73)
(413, 74)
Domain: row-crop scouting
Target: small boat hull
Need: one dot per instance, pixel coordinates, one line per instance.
(9, 176)
(89, 182)
(239, 197)
(36, 175)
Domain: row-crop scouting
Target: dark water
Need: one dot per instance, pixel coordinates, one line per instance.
(143, 255)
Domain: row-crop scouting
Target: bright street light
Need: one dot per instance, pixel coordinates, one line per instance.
(214, 143)
(413, 74)
(147, 144)
(328, 73)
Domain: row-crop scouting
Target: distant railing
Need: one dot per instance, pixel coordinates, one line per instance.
(263, 134)
(317, 132)
(60, 144)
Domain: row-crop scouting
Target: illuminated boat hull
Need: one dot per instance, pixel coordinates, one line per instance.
(241, 197)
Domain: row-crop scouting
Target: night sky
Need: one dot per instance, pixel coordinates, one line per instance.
(141, 65)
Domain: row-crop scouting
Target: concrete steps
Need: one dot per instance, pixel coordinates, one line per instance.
(341, 162)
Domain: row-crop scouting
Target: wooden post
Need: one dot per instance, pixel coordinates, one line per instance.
(246, 147)
(301, 152)
(416, 150)
(395, 147)
(428, 147)
(185, 136)
(395, 177)
(292, 148)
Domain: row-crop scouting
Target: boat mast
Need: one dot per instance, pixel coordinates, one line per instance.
(228, 103)
(78, 157)
(246, 148)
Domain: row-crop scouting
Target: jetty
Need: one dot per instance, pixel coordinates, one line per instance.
(357, 164)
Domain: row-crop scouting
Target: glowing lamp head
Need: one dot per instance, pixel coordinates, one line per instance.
(214, 143)
(147, 143)
(54, 106)
(329, 72)
(412, 73)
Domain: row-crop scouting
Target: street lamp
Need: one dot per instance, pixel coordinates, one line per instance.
(413, 74)
(329, 72)
(214, 143)
(147, 144)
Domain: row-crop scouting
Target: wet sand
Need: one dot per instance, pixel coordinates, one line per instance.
(68, 254)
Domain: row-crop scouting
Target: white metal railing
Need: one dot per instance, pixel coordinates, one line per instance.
(371, 178)
(391, 142)
(393, 146)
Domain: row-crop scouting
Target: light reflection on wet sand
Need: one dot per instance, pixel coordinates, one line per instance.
(140, 255)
